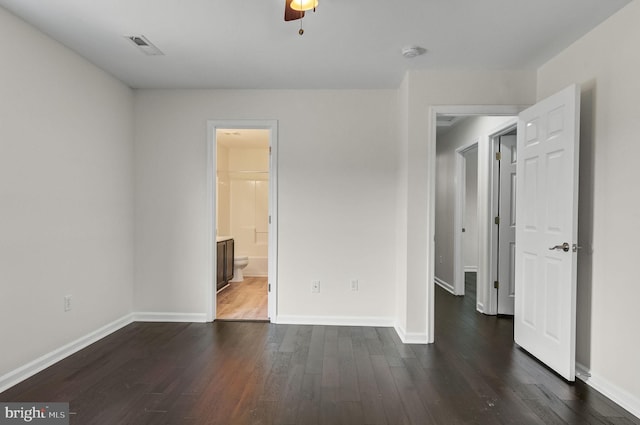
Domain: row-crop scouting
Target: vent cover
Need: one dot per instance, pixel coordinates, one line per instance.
(144, 45)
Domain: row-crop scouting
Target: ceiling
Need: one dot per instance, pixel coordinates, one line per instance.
(347, 43)
(243, 138)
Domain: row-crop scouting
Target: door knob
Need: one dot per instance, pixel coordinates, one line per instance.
(564, 247)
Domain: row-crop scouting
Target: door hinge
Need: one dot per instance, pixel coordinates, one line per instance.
(496, 220)
(498, 156)
(496, 284)
(269, 150)
(269, 219)
(269, 287)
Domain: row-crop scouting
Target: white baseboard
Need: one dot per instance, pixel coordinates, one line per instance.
(616, 394)
(444, 285)
(23, 372)
(383, 322)
(148, 316)
(410, 337)
(480, 307)
(471, 269)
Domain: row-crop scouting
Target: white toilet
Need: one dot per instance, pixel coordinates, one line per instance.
(239, 263)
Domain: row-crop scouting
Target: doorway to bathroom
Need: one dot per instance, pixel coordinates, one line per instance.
(243, 221)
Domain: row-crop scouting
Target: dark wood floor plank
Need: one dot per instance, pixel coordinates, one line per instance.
(369, 393)
(413, 405)
(259, 373)
(289, 341)
(316, 350)
(348, 389)
(311, 399)
(390, 397)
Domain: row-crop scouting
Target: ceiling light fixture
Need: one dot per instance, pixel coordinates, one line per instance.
(304, 5)
(294, 9)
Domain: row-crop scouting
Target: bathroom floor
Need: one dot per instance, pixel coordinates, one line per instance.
(246, 300)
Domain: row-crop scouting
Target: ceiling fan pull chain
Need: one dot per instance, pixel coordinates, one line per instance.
(301, 31)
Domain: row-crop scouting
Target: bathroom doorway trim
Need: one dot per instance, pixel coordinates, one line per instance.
(272, 127)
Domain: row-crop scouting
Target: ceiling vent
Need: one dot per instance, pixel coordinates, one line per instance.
(145, 46)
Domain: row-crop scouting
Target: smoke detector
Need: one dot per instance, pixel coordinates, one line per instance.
(413, 51)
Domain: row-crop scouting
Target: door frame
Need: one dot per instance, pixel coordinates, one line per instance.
(483, 198)
(494, 142)
(272, 127)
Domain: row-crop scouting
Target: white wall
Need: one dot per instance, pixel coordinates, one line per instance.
(337, 185)
(424, 90)
(66, 197)
(470, 221)
(606, 63)
(223, 193)
(402, 190)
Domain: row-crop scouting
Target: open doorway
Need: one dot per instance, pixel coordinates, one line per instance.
(456, 237)
(467, 249)
(242, 223)
(547, 192)
(243, 217)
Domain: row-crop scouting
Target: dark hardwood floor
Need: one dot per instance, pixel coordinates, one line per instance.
(260, 373)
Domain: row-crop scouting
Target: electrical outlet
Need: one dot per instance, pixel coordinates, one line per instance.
(354, 284)
(67, 302)
(315, 287)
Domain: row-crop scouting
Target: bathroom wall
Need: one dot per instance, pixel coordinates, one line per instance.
(243, 202)
(223, 194)
(249, 206)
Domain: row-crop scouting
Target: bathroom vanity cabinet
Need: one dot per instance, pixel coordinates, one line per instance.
(224, 259)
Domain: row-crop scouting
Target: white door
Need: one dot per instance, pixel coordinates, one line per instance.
(546, 230)
(507, 225)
